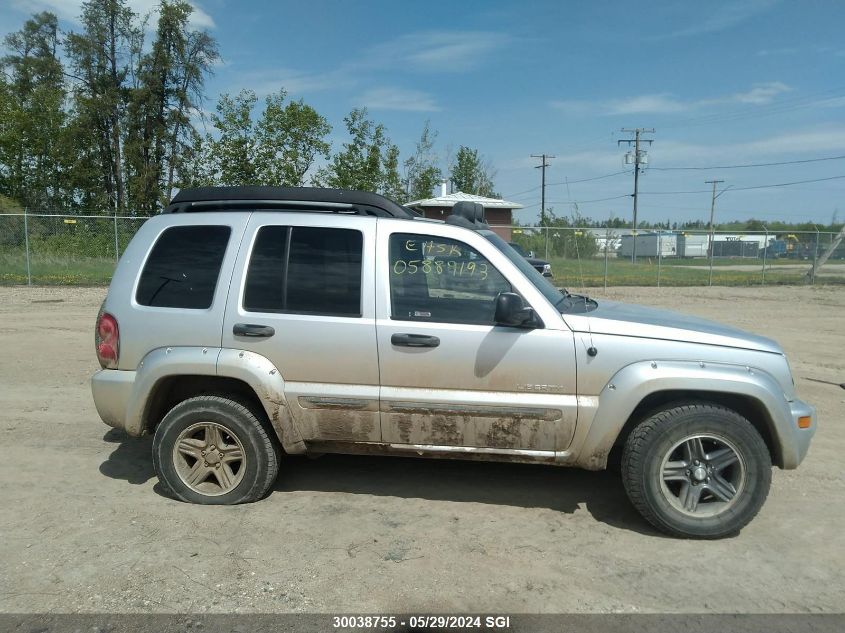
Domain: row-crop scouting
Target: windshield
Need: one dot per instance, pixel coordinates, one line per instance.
(551, 293)
(518, 248)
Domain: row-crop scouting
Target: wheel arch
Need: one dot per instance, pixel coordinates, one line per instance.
(745, 405)
(641, 388)
(170, 375)
(170, 390)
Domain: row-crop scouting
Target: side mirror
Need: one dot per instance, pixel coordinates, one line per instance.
(512, 311)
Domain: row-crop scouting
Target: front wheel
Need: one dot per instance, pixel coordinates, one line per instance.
(697, 470)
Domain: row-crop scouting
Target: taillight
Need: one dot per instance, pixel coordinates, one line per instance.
(107, 341)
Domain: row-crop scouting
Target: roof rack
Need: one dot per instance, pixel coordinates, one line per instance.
(313, 199)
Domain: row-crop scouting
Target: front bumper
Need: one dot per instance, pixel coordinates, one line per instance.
(112, 391)
(794, 451)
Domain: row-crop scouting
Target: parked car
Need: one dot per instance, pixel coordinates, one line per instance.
(543, 267)
(245, 324)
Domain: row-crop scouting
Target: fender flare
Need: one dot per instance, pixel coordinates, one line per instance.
(633, 383)
(253, 369)
(269, 385)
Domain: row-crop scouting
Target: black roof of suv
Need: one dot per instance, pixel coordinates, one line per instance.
(281, 198)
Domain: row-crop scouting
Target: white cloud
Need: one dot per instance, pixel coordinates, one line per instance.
(70, 10)
(833, 102)
(435, 51)
(804, 141)
(398, 99)
(660, 103)
(761, 93)
(421, 52)
(771, 52)
(722, 18)
(295, 82)
(665, 103)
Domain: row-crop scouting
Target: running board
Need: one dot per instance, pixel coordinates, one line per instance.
(443, 452)
(434, 448)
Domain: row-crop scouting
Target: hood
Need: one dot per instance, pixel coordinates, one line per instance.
(624, 319)
(534, 261)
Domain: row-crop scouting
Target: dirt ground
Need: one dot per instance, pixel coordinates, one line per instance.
(84, 529)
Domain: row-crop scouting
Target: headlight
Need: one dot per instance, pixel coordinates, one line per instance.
(547, 268)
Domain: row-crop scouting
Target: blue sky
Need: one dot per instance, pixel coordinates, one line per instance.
(723, 83)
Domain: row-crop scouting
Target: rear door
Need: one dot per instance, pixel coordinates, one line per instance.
(450, 377)
(303, 296)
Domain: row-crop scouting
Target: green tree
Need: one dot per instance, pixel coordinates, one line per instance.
(470, 174)
(171, 79)
(368, 161)
(99, 58)
(32, 96)
(199, 167)
(235, 148)
(421, 171)
(289, 139)
(391, 180)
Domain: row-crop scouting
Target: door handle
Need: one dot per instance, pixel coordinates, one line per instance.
(414, 340)
(252, 330)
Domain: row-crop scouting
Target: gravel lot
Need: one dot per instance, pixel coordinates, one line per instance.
(84, 528)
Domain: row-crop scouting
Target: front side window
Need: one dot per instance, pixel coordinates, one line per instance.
(305, 270)
(442, 280)
(183, 267)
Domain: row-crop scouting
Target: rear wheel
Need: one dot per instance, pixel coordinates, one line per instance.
(697, 470)
(212, 450)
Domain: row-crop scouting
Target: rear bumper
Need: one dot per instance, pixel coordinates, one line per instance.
(794, 451)
(112, 391)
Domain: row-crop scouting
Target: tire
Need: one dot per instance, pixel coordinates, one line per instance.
(713, 497)
(212, 450)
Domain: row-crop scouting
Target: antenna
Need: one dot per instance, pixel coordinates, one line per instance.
(575, 235)
(592, 352)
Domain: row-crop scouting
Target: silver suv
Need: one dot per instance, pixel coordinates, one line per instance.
(246, 323)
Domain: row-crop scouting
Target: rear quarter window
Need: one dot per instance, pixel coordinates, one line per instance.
(183, 267)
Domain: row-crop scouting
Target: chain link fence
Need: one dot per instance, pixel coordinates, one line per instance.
(62, 249)
(591, 257)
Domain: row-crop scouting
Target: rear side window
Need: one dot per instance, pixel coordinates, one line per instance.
(183, 267)
(305, 270)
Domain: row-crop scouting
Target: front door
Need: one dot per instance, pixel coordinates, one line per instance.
(450, 377)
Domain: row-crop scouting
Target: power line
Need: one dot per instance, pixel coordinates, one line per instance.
(521, 193)
(529, 206)
(786, 162)
(569, 182)
(787, 184)
(667, 193)
(777, 184)
(696, 168)
(775, 107)
(572, 182)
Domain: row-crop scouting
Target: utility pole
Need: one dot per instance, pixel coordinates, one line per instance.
(639, 158)
(542, 167)
(712, 227)
(811, 274)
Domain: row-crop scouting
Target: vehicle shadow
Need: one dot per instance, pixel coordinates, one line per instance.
(510, 484)
(131, 460)
(505, 484)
